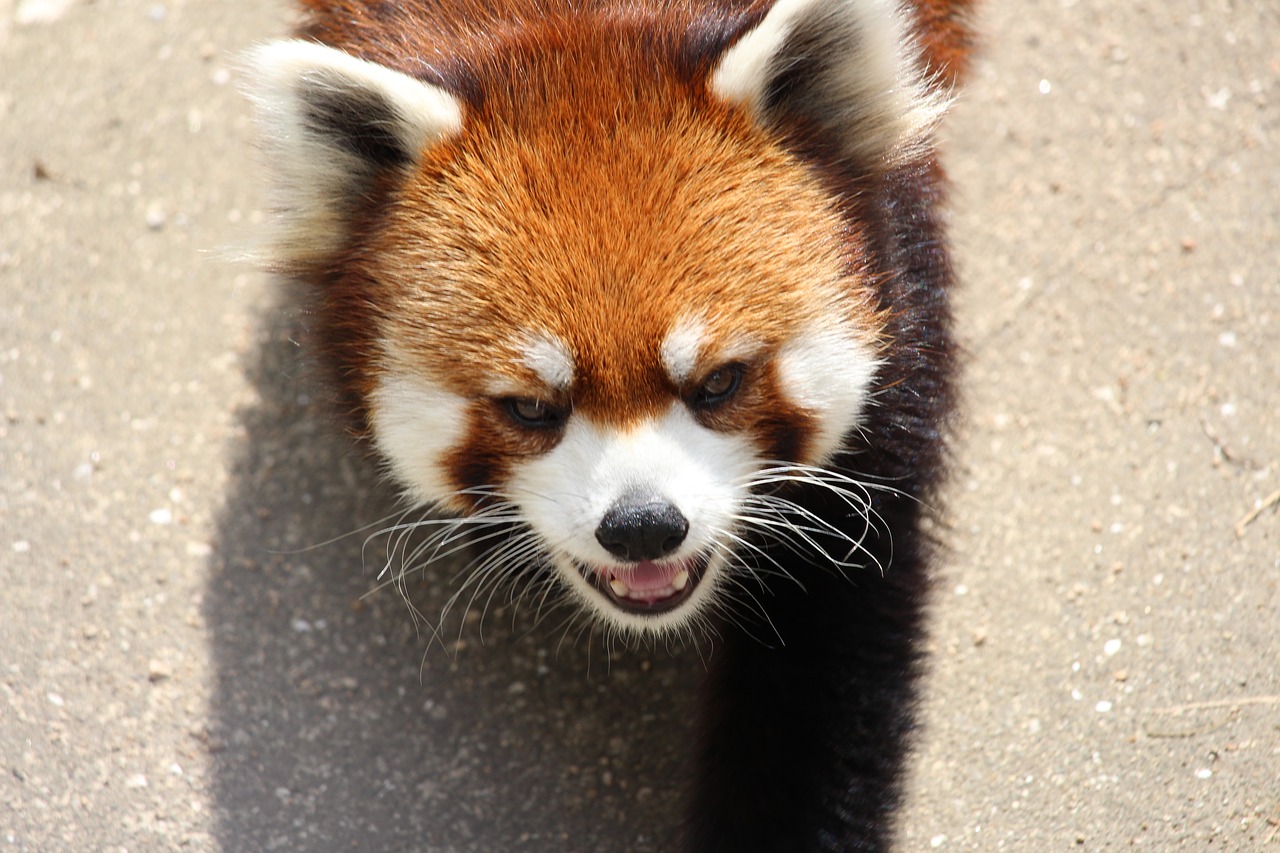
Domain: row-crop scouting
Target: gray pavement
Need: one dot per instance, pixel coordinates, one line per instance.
(181, 669)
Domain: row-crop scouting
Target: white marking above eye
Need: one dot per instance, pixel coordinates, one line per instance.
(681, 348)
(549, 357)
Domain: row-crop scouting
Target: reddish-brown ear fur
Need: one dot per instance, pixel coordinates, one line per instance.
(945, 31)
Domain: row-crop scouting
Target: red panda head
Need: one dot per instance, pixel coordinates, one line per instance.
(592, 288)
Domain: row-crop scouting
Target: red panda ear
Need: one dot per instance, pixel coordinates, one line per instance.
(850, 67)
(330, 123)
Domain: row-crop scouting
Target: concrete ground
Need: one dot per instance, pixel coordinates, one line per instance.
(184, 666)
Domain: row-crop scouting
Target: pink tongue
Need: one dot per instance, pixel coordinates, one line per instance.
(647, 576)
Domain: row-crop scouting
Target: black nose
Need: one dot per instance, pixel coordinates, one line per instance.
(642, 527)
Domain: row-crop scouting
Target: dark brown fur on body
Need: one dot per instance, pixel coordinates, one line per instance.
(602, 190)
(827, 775)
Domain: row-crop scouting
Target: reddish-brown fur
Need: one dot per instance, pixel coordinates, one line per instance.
(523, 231)
(945, 31)
(599, 192)
(701, 218)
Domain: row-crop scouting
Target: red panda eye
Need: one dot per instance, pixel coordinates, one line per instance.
(535, 414)
(717, 388)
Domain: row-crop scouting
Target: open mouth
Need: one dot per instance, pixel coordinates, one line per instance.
(647, 586)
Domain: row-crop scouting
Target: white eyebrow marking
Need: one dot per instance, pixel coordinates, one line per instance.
(549, 357)
(681, 348)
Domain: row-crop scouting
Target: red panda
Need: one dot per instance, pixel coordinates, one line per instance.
(662, 289)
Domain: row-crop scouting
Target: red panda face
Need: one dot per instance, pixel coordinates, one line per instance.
(605, 301)
(616, 332)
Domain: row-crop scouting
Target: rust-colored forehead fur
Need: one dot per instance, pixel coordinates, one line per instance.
(600, 194)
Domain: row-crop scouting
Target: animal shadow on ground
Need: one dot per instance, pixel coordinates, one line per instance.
(339, 722)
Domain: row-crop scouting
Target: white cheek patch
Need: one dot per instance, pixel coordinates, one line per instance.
(829, 373)
(548, 357)
(564, 494)
(415, 424)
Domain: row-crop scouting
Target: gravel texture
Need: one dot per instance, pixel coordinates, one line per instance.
(188, 662)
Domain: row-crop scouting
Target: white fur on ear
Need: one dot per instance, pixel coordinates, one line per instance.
(851, 66)
(329, 123)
